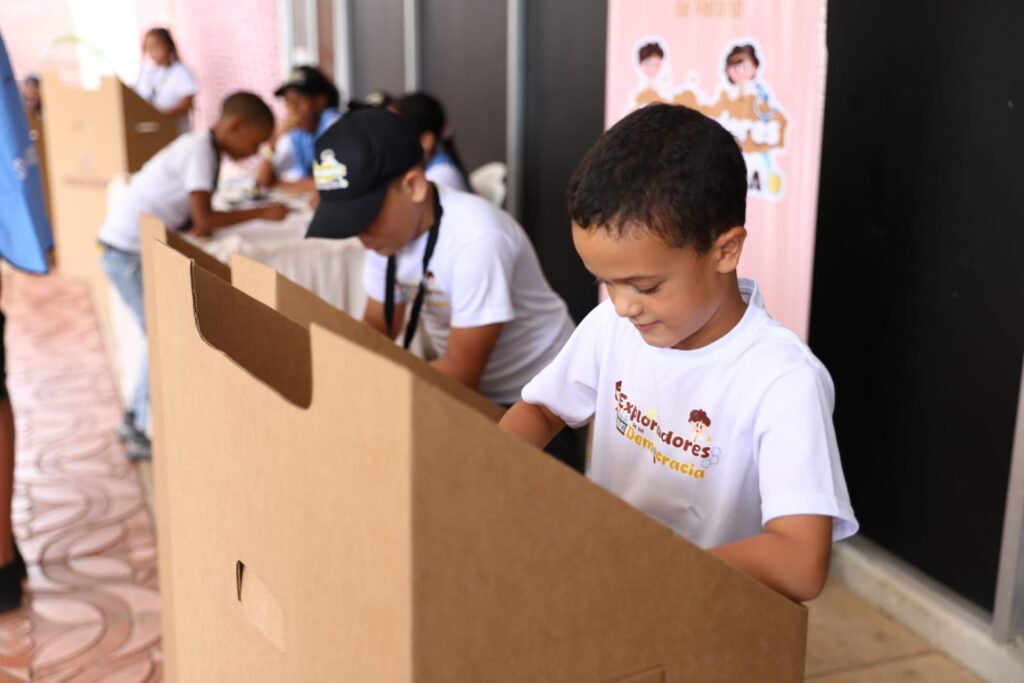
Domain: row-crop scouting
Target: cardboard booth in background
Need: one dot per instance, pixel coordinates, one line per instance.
(347, 517)
(92, 137)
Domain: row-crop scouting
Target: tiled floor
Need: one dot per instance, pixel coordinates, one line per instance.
(79, 513)
(83, 524)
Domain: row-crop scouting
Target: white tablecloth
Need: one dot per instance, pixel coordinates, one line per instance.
(331, 269)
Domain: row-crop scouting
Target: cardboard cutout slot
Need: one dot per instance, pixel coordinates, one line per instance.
(259, 605)
(279, 356)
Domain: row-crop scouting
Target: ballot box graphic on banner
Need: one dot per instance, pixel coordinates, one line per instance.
(337, 515)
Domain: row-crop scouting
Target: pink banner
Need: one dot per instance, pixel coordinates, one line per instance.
(758, 68)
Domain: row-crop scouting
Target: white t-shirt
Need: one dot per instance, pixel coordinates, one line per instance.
(713, 442)
(165, 86)
(162, 189)
(483, 271)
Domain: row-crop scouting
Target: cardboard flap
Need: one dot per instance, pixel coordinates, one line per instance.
(527, 569)
(313, 502)
(305, 308)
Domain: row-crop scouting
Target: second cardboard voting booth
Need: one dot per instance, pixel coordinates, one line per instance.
(335, 514)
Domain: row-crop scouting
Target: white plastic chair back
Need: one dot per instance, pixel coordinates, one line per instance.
(488, 181)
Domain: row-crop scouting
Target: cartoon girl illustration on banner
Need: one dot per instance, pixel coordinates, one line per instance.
(748, 110)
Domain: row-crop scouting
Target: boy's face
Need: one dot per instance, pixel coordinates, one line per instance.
(398, 221)
(672, 295)
(303, 110)
(243, 139)
(651, 66)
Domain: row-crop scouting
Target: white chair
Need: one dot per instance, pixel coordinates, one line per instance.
(488, 181)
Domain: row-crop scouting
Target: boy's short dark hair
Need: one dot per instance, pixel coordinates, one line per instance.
(668, 168)
(250, 107)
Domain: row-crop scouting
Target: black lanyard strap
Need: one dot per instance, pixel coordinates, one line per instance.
(391, 276)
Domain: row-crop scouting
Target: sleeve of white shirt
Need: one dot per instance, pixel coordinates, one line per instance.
(795, 447)
(199, 166)
(285, 162)
(375, 269)
(184, 82)
(568, 385)
(481, 287)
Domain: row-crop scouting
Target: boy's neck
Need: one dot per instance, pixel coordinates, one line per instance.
(427, 217)
(727, 316)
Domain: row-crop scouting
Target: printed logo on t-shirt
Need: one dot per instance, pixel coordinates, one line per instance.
(689, 452)
(434, 297)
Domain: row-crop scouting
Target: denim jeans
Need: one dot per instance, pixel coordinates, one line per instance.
(125, 272)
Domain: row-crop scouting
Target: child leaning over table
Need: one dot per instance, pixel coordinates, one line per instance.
(708, 415)
(177, 186)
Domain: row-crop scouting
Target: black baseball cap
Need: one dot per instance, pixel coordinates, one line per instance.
(356, 160)
(311, 81)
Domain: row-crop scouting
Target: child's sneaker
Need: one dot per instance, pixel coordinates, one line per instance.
(138, 447)
(126, 429)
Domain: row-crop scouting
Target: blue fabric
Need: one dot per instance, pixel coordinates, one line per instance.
(125, 272)
(25, 236)
(438, 158)
(304, 142)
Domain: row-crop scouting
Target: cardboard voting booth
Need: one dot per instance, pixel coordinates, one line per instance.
(294, 302)
(337, 515)
(93, 137)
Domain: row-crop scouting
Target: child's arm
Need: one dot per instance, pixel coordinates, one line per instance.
(181, 108)
(205, 220)
(791, 555)
(531, 422)
(467, 351)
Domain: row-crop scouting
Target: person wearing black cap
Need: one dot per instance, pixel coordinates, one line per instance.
(463, 269)
(312, 103)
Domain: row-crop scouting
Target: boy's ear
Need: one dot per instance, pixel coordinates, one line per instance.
(728, 247)
(415, 184)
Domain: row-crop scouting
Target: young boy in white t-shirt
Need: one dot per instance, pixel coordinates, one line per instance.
(463, 268)
(177, 186)
(707, 414)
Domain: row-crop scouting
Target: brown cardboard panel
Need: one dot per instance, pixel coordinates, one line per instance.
(302, 306)
(397, 535)
(286, 500)
(146, 129)
(92, 136)
(153, 231)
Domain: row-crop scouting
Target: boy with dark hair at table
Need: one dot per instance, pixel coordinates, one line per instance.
(462, 268)
(707, 415)
(177, 186)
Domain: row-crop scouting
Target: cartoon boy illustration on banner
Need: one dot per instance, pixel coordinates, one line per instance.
(651, 63)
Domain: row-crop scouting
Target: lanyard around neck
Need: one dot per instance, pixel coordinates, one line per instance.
(390, 278)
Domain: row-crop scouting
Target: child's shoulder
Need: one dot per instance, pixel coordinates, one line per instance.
(774, 351)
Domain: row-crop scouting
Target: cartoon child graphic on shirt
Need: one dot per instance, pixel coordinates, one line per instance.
(699, 423)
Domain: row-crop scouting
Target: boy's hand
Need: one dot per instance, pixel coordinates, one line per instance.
(274, 212)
